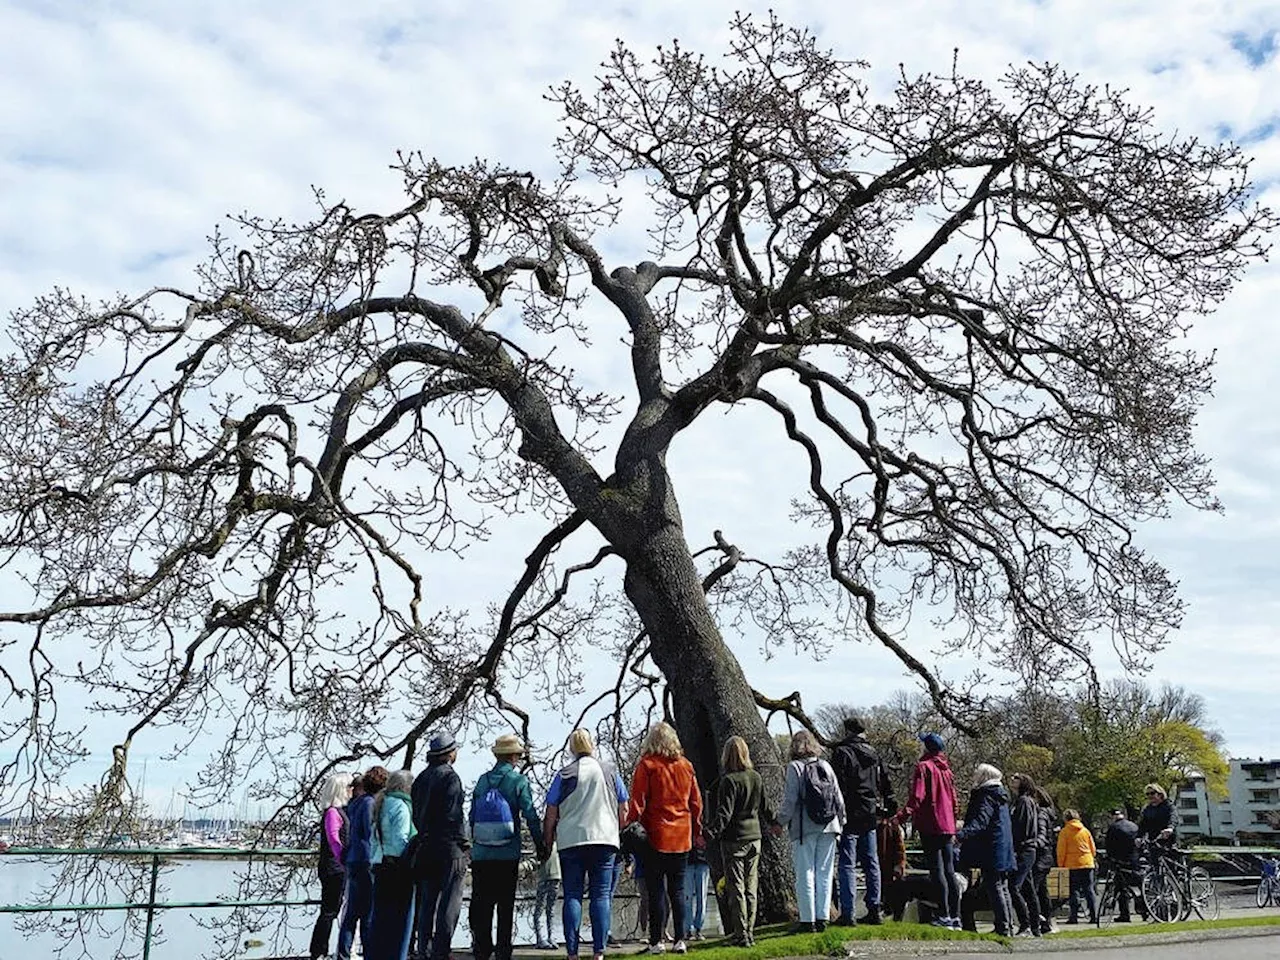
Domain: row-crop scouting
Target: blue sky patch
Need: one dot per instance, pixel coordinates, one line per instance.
(1257, 49)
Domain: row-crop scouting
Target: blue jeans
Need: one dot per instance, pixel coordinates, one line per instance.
(1081, 880)
(359, 909)
(697, 878)
(940, 858)
(587, 868)
(861, 846)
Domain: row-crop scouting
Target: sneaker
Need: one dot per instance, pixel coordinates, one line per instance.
(657, 949)
(679, 947)
(941, 922)
(954, 923)
(874, 917)
(843, 921)
(819, 926)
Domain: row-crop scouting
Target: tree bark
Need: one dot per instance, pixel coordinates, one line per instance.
(711, 698)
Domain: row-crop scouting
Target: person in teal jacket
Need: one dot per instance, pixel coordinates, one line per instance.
(500, 800)
(393, 874)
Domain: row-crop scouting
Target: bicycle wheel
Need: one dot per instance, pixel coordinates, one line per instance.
(1263, 896)
(1203, 895)
(1109, 902)
(1163, 898)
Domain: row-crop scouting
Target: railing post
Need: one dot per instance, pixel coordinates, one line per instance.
(151, 906)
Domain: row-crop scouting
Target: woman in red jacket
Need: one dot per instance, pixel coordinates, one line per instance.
(666, 801)
(931, 805)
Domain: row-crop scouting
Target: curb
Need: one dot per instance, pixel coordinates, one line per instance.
(1051, 945)
(855, 949)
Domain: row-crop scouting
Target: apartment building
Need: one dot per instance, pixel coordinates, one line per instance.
(1253, 796)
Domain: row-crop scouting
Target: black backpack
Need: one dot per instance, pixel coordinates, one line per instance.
(819, 792)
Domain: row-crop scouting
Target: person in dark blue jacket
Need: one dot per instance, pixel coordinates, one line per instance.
(440, 867)
(358, 860)
(986, 841)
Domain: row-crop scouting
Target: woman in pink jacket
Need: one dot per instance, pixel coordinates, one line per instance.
(931, 805)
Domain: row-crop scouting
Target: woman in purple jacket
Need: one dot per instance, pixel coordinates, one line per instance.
(333, 841)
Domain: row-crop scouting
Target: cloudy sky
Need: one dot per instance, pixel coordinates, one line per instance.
(129, 128)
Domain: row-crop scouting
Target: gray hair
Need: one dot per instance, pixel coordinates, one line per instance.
(335, 792)
(401, 780)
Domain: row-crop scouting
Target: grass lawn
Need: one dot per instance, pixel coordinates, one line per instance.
(1129, 929)
(774, 941)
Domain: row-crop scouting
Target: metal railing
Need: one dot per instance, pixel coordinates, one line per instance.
(157, 855)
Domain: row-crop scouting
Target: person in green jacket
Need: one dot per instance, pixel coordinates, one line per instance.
(500, 800)
(736, 821)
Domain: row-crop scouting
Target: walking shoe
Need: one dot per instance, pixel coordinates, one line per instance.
(819, 926)
(874, 917)
(941, 922)
(679, 947)
(613, 941)
(843, 921)
(657, 949)
(954, 923)
(801, 927)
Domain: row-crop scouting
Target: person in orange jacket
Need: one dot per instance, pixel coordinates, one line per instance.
(1078, 854)
(666, 800)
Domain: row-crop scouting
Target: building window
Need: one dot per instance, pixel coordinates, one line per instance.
(1188, 803)
(1191, 820)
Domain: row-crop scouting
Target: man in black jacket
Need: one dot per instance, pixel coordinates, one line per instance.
(440, 867)
(865, 785)
(1121, 844)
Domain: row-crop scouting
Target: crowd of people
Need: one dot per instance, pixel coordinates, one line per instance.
(396, 849)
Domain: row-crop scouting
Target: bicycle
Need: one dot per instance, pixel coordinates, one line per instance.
(1269, 886)
(1169, 868)
(1114, 880)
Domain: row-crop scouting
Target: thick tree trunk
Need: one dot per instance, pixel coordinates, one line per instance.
(710, 695)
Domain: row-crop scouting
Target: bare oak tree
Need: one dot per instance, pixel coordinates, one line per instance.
(961, 305)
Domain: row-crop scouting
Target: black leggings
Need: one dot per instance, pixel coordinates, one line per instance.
(1042, 895)
(657, 868)
(330, 907)
(939, 857)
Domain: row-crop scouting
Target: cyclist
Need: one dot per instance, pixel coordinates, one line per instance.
(1158, 821)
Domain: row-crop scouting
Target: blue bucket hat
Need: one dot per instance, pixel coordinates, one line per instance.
(932, 742)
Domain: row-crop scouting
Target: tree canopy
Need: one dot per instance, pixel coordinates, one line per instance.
(962, 307)
(1092, 749)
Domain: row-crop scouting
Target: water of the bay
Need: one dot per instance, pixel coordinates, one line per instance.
(189, 934)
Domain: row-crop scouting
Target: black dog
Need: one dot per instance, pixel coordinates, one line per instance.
(916, 885)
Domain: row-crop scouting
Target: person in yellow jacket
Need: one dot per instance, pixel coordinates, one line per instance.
(1078, 854)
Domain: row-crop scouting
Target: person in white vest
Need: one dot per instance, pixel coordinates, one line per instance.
(586, 806)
